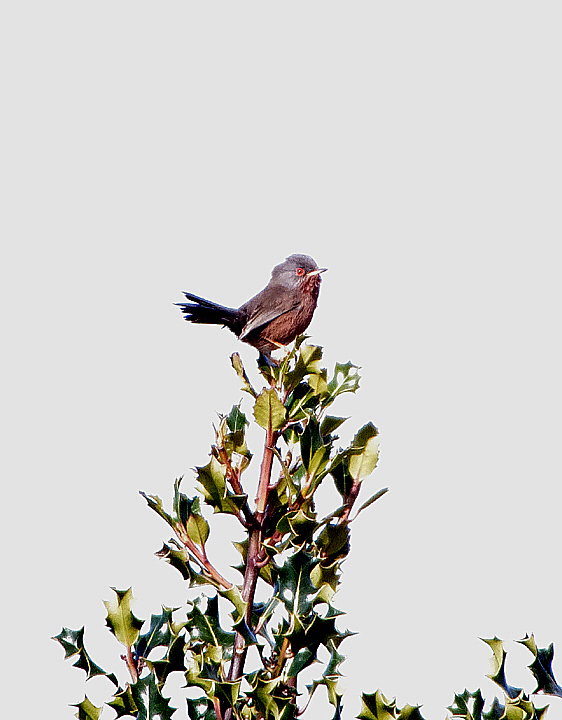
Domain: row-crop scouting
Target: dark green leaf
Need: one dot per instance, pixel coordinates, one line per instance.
(467, 705)
(150, 702)
(159, 633)
(204, 627)
(314, 449)
(339, 470)
(173, 661)
(333, 541)
(302, 659)
(307, 363)
(73, 643)
(541, 667)
(123, 703)
(299, 524)
(345, 379)
(200, 709)
(377, 707)
(182, 504)
(155, 503)
(212, 479)
(295, 589)
(236, 420)
(178, 557)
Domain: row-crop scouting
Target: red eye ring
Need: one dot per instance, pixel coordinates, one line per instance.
(300, 272)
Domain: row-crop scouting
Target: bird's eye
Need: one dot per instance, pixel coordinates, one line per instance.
(300, 272)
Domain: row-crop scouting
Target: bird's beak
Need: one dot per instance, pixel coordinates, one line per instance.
(316, 272)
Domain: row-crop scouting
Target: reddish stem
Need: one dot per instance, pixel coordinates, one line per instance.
(252, 559)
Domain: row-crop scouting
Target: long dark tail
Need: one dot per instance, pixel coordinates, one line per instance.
(205, 311)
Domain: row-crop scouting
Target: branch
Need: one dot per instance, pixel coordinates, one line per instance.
(253, 556)
(200, 557)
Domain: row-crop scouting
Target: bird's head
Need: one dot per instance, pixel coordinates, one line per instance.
(297, 272)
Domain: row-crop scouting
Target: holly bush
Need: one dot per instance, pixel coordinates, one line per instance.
(292, 553)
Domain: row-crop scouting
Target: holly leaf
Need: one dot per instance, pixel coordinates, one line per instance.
(155, 503)
(498, 667)
(541, 667)
(519, 708)
(178, 557)
(315, 449)
(372, 499)
(87, 711)
(205, 627)
(73, 643)
(333, 541)
(339, 470)
(294, 586)
(197, 529)
(239, 369)
(269, 697)
(330, 424)
(307, 363)
(123, 703)
(234, 595)
(468, 706)
(269, 411)
(151, 705)
(212, 481)
(364, 452)
(159, 633)
(200, 708)
(345, 379)
(376, 707)
(120, 620)
(173, 661)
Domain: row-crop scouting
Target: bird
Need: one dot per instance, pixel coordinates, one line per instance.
(272, 318)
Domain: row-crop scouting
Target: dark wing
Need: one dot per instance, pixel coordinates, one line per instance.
(264, 308)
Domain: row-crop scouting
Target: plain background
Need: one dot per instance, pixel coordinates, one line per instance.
(413, 148)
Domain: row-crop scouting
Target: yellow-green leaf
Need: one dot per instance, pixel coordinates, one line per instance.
(124, 625)
(197, 529)
(269, 411)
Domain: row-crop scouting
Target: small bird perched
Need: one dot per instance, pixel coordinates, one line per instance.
(275, 316)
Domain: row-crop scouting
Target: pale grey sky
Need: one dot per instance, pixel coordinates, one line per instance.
(412, 148)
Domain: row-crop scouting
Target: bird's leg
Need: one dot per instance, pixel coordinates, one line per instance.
(265, 359)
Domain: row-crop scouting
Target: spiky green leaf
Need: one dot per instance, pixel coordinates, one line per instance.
(159, 633)
(212, 481)
(178, 557)
(121, 621)
(345, 379)
(498, 667)
(541, 667)
(73, 643)
(123, 703)
(151, 704)
(87, 711)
